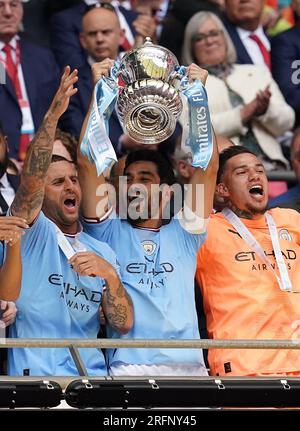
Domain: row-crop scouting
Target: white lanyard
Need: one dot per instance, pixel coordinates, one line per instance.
(283, 280)
(64, 244)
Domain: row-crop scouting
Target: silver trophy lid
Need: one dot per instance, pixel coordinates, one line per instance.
(149, 103)
(148, 61)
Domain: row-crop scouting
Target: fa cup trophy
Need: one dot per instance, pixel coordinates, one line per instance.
(149, 104)
(145, 88)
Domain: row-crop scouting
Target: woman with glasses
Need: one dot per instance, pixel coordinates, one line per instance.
(245, 103)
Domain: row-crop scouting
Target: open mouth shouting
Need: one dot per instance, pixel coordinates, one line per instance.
(257, 192)
(70, 205)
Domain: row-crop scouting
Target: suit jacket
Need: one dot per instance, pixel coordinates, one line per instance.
(287, 198)
(285, 55)
(14, 181)
(41, 77)
(65, 28)
(242, 54)
(247, 80)
(72, 120)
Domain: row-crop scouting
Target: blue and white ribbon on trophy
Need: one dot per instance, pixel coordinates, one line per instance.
(199, 140)
(96, 144)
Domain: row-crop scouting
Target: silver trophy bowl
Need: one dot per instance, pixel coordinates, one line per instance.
(150, 103)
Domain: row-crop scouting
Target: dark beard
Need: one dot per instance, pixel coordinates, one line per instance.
(136, 222)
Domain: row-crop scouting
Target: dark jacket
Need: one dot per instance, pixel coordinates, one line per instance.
(41, 77)
(65, 28)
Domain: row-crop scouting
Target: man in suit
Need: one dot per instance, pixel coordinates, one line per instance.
(66, 26)
(30, 82)
(8, 182)
(243, 23)
(285, 62)
(291, 198)
(101, 38)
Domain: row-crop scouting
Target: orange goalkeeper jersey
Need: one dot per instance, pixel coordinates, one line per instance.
(242, 299)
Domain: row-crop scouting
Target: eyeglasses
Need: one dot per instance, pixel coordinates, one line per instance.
(201, 37)
(103, 5)
(15, 4)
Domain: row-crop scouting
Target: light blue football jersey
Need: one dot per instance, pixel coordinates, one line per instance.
(157, 269)
(55, 302)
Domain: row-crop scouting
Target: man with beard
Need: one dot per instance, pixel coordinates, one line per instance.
(67, 274)
(8, 182)
(156, 252)
(245, 295)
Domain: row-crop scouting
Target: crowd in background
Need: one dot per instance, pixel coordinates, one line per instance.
(250, 49)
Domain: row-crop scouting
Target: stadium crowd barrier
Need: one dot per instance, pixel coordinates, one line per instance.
(83, 391)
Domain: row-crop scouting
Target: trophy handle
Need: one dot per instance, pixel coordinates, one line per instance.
(180, 74)
(112, 78)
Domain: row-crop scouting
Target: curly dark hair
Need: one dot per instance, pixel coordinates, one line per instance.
(164, 167)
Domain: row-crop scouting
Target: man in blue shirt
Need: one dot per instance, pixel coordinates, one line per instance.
(157, 254)
(66, 273)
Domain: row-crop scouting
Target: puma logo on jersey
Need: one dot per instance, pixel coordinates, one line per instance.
(233, 231)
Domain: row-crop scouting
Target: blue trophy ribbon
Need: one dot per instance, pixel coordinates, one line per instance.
(200, 139)
(96, 144)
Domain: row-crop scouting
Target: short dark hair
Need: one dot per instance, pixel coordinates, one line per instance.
(227, 154)
(164, 167)
(69, 142)
(1, 130)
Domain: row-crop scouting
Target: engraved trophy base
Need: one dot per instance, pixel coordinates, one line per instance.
(148, 109)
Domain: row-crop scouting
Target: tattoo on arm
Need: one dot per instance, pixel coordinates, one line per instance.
(116, 313)
(38, 162)
(29, 197)
(26, 203)
(39, 152)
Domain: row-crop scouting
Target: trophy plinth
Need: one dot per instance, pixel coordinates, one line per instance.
(149, 104)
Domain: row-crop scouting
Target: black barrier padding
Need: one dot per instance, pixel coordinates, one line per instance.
(256, 393)
(30, 394)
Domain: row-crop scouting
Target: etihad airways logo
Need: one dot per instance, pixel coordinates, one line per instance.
(246, 256)
(77, 298)
(148, 275)
(255, 261)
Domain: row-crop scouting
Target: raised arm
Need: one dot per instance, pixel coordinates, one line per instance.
(201, 204)
(93, 206)
(11, 230)
(29, 197)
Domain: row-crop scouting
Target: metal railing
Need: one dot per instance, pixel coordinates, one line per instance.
(288, 176)
(150, 343)
(125, 392)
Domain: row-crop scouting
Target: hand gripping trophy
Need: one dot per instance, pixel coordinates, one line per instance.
(145, 88)
(150, 104)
